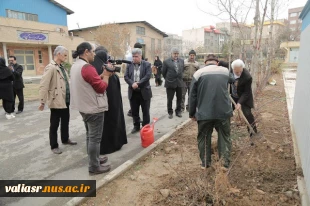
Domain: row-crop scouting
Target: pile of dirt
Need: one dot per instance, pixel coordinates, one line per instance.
(263, 174)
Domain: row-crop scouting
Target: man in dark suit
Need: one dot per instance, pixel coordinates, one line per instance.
(173, 74)
(241, 91)
(137, 45)
(137, 77)
(18, 84)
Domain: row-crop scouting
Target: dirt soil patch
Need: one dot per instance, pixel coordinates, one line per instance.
(263, 174)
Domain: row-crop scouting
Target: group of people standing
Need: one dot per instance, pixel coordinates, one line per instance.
(11, 85)
(95, 92)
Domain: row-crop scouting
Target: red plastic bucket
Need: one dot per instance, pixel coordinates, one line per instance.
(147, 134)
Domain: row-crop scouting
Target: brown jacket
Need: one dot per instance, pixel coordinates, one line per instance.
(189, 69)
(53, 87)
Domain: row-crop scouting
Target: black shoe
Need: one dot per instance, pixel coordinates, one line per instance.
(178, 114)
(135, 130)
(18, 112)
(101, 169)
(170, 116)
(129, 113)
(69, 142)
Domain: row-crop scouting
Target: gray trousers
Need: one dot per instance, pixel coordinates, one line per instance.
(205, 129)
(94, 127)
(184, 91)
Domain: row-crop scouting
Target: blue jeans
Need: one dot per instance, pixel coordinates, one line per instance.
(94, 127)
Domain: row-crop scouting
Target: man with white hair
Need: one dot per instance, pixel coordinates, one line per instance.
(173, 73)
(137, 77)
(241, 91)
(54, 89)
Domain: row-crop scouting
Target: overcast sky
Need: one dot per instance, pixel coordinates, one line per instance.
(169, 16)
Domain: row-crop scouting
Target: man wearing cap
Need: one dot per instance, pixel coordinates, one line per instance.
(210, 106)
(190, 67)
(173, 75)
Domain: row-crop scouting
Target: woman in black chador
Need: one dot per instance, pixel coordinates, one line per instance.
(114, 129)
(158, 64)
(6, 88)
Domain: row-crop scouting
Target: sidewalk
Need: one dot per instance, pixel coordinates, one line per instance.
(26, 155)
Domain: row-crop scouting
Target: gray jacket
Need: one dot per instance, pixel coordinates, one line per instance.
(173, 79)
(209, 97)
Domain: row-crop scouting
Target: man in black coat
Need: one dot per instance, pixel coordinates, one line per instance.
(137, 77)
(173, 74)
(137, 45)
(241, 91)
(18, 84)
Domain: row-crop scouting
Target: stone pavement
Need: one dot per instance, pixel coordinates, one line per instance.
(25, 152)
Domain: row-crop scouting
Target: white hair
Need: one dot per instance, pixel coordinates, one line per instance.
(60, 49)
(136, 51)
(237, 63)
(175, 50)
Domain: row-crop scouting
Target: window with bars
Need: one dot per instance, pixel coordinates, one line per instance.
(159, 44)
(152, 46)
(40, 57)
(140, 30)
(21, 15)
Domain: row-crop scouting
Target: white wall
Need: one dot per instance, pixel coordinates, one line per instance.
(193, 38)
(301, 110)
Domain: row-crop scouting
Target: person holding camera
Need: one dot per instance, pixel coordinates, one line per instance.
(54, 89)
(6, 88)
(88, 96)
(18, 84)
(137, 77)
(114, 129)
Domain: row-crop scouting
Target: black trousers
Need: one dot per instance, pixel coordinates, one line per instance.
(7, 105)
(20, 94)
(247, 113)
(62, 116)
(170, 96)
(135, 102)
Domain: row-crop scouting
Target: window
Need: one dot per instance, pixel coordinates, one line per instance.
(293, 14)
(40, 57)
(153, 46)
(140, 30)
(159, 45)
(293, 22)
(21, 15)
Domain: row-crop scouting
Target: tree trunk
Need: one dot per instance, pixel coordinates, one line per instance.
(270, 52)
(254, 63)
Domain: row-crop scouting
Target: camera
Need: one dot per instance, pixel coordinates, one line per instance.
(116, 62)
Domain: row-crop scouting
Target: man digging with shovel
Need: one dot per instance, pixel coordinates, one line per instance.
(210, 106)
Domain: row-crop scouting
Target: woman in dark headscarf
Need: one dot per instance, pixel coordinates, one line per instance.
(114, 128)
(158, 64)
(6, 88)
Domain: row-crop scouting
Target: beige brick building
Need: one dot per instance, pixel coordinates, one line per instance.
(33, 40)
(149, 36)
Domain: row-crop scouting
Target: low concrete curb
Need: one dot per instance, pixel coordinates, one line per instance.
(128, 164)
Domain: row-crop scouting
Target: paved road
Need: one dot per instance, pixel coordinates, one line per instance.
(26, 155)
